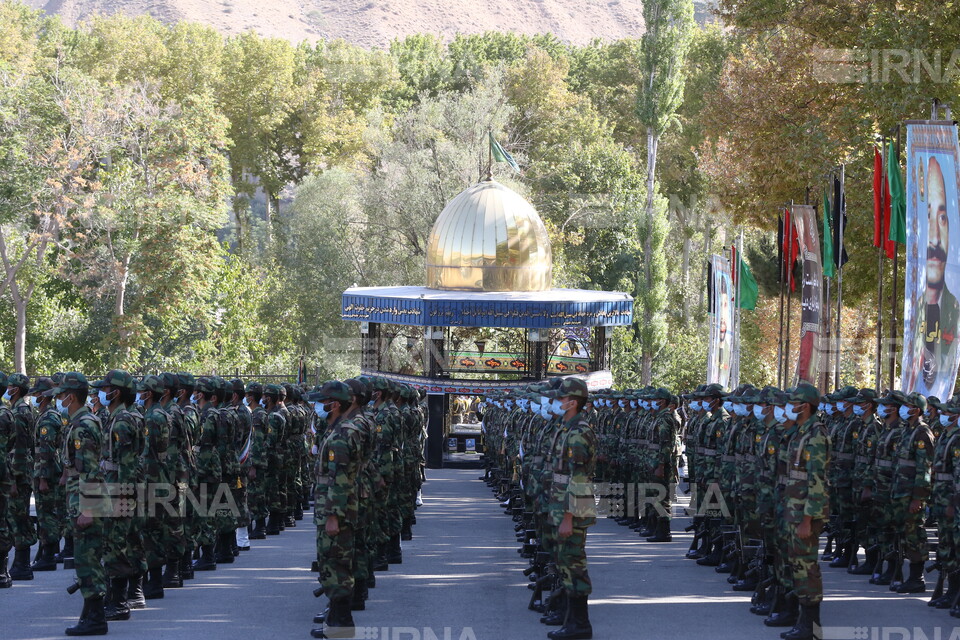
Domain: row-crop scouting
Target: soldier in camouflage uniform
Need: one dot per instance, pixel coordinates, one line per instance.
(865, 434)
(6, 534)
(243, 442)
(178, 466)
(663, 444)
(336, 514)
(877, 487)
(18, 423)
(945, 460)
(185, 399)
(47, 468)
(258, 463)
(153, 461)
(121, 447)
(275, 439)
(81, 473)
(209, 469)
(843, 440)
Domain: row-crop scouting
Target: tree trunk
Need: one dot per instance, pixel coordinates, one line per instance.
(20, 340)
(646, 355)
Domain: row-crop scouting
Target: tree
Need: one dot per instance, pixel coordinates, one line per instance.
(664, 46)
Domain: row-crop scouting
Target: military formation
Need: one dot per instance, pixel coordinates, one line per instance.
(779, 480)
(139, 483)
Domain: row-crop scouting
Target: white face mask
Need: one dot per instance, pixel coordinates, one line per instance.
(141, 401)
(104, 400)
(263, 402)
(62, 408)
(90, 402)
(883, 410)
(758, 412)
(904, 412)
(944, 420)
(859, 411)
(555, 408)
(194, 399)
(779, 414)
(544, 412)
(246, 401)
(791, 412)
(6, 396)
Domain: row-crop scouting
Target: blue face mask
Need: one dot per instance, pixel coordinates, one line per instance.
(883, 410)
(104, 400)
(904, 412)
(944, 420)
(141, 401)
(779, 414)
(6, 396)
(246, 401)
(320, 410)
(62, 408)
(859, 411)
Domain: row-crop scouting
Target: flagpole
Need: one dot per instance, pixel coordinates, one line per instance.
(827, 374)
(896, 278)
(489, 154)
(838, 259)
(739, 308)
(880, 251)
(782, 279)
(789, 267)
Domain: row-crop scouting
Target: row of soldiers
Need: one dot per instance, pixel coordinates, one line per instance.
(147, 482)
(368, 476)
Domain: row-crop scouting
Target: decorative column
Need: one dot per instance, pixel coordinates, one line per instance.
(435, 362)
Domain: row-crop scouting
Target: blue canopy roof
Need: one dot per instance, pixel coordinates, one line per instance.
(424, 307)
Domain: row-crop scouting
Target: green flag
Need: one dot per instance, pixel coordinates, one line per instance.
(828, 268)
(748, 287)
(898, 199)
(499, 154)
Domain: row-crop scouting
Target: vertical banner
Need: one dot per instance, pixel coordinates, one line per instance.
(804, 219)
(930, 310)
(720, 345)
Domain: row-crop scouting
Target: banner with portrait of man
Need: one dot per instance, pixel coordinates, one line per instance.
(932, 282)
(804, 218)
(720, 343)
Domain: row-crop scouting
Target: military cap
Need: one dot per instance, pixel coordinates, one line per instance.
(206, 384)
(152, 383)
(805, 392)
(767, 395)
(72, 381)
(780, 398)
(893, 397)
(846, 393)
(866, 394)
(255, 387)
(659, 394)
(572, 387)
(358, 386)
(712, 391)
(917, 400)
(237, 385)
(272, 390)
(57, 377)
(170, 380)
(187, 381)
(295, 393)
(40, 386)
(116, 378)
(18, 380)
(331, 390)
(935, 402)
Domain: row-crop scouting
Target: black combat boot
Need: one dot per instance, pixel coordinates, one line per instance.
(784, 613)
(116, 606)
(171, 575)
(662, 532)
(273, 524)
(259, 530)
(224, 553)
(92, 620)
(20, 569)
(953, 588)
(67, 550)
(394, 552)
(577, 625)
(866, 569)
(186, 565)
(135, 597)
(339, 622)
(47, 558)
(406, 531)
(153, 585)
(206, 561)
(359, 599)
(808, 624)
(914, 583)
(713, 558)
(765, 601)
(556, 611)
(5, 580)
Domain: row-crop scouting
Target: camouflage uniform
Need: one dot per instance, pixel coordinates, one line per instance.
(18, 423)
(48, 466)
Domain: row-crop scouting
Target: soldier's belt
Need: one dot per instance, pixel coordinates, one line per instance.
(643, 442)
(700, 450)
(709, 452)
(861, 459)
(561, 478)
(106, 465)
(537, 460)
(903, 462)
(38, 451)
(654, 447)
(71, 472)
(324, 481)
(798, 475)
(844, 456)
(885, 463)
(728, 458)
(943, 477)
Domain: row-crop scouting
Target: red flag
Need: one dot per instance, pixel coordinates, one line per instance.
(790, 249)
(881, 207)
(733, 266)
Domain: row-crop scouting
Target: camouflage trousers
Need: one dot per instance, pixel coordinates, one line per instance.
(176, 542)
(224, 520)
(802, 559)
(88, 547)
(256, 497)
(122, 547)
(336, 556)
(6, 535)
(913, 535)
(24, 535)
(947, 543)
(571, 559)
(51, 513)
(362, 567)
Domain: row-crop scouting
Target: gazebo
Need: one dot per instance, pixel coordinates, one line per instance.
(488, 318)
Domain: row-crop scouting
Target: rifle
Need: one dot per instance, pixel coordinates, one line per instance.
(72, 589)
(830, 530)
(938, 589)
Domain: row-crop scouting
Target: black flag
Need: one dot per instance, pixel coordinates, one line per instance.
(839, 223)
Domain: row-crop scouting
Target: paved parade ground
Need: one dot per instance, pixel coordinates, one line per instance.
(461, 578)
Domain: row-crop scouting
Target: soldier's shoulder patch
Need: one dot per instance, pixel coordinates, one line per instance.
(76, 444)
(718, 433)
(757, 438)
(43, 431)
(921, 444)
(806, 455)
(116, 436)
(956, 453)
(330, 456)
(569, 452)
(146, 431)
(770, 450)
(856, 435)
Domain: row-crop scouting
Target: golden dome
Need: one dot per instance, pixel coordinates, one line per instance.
(489, 238)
